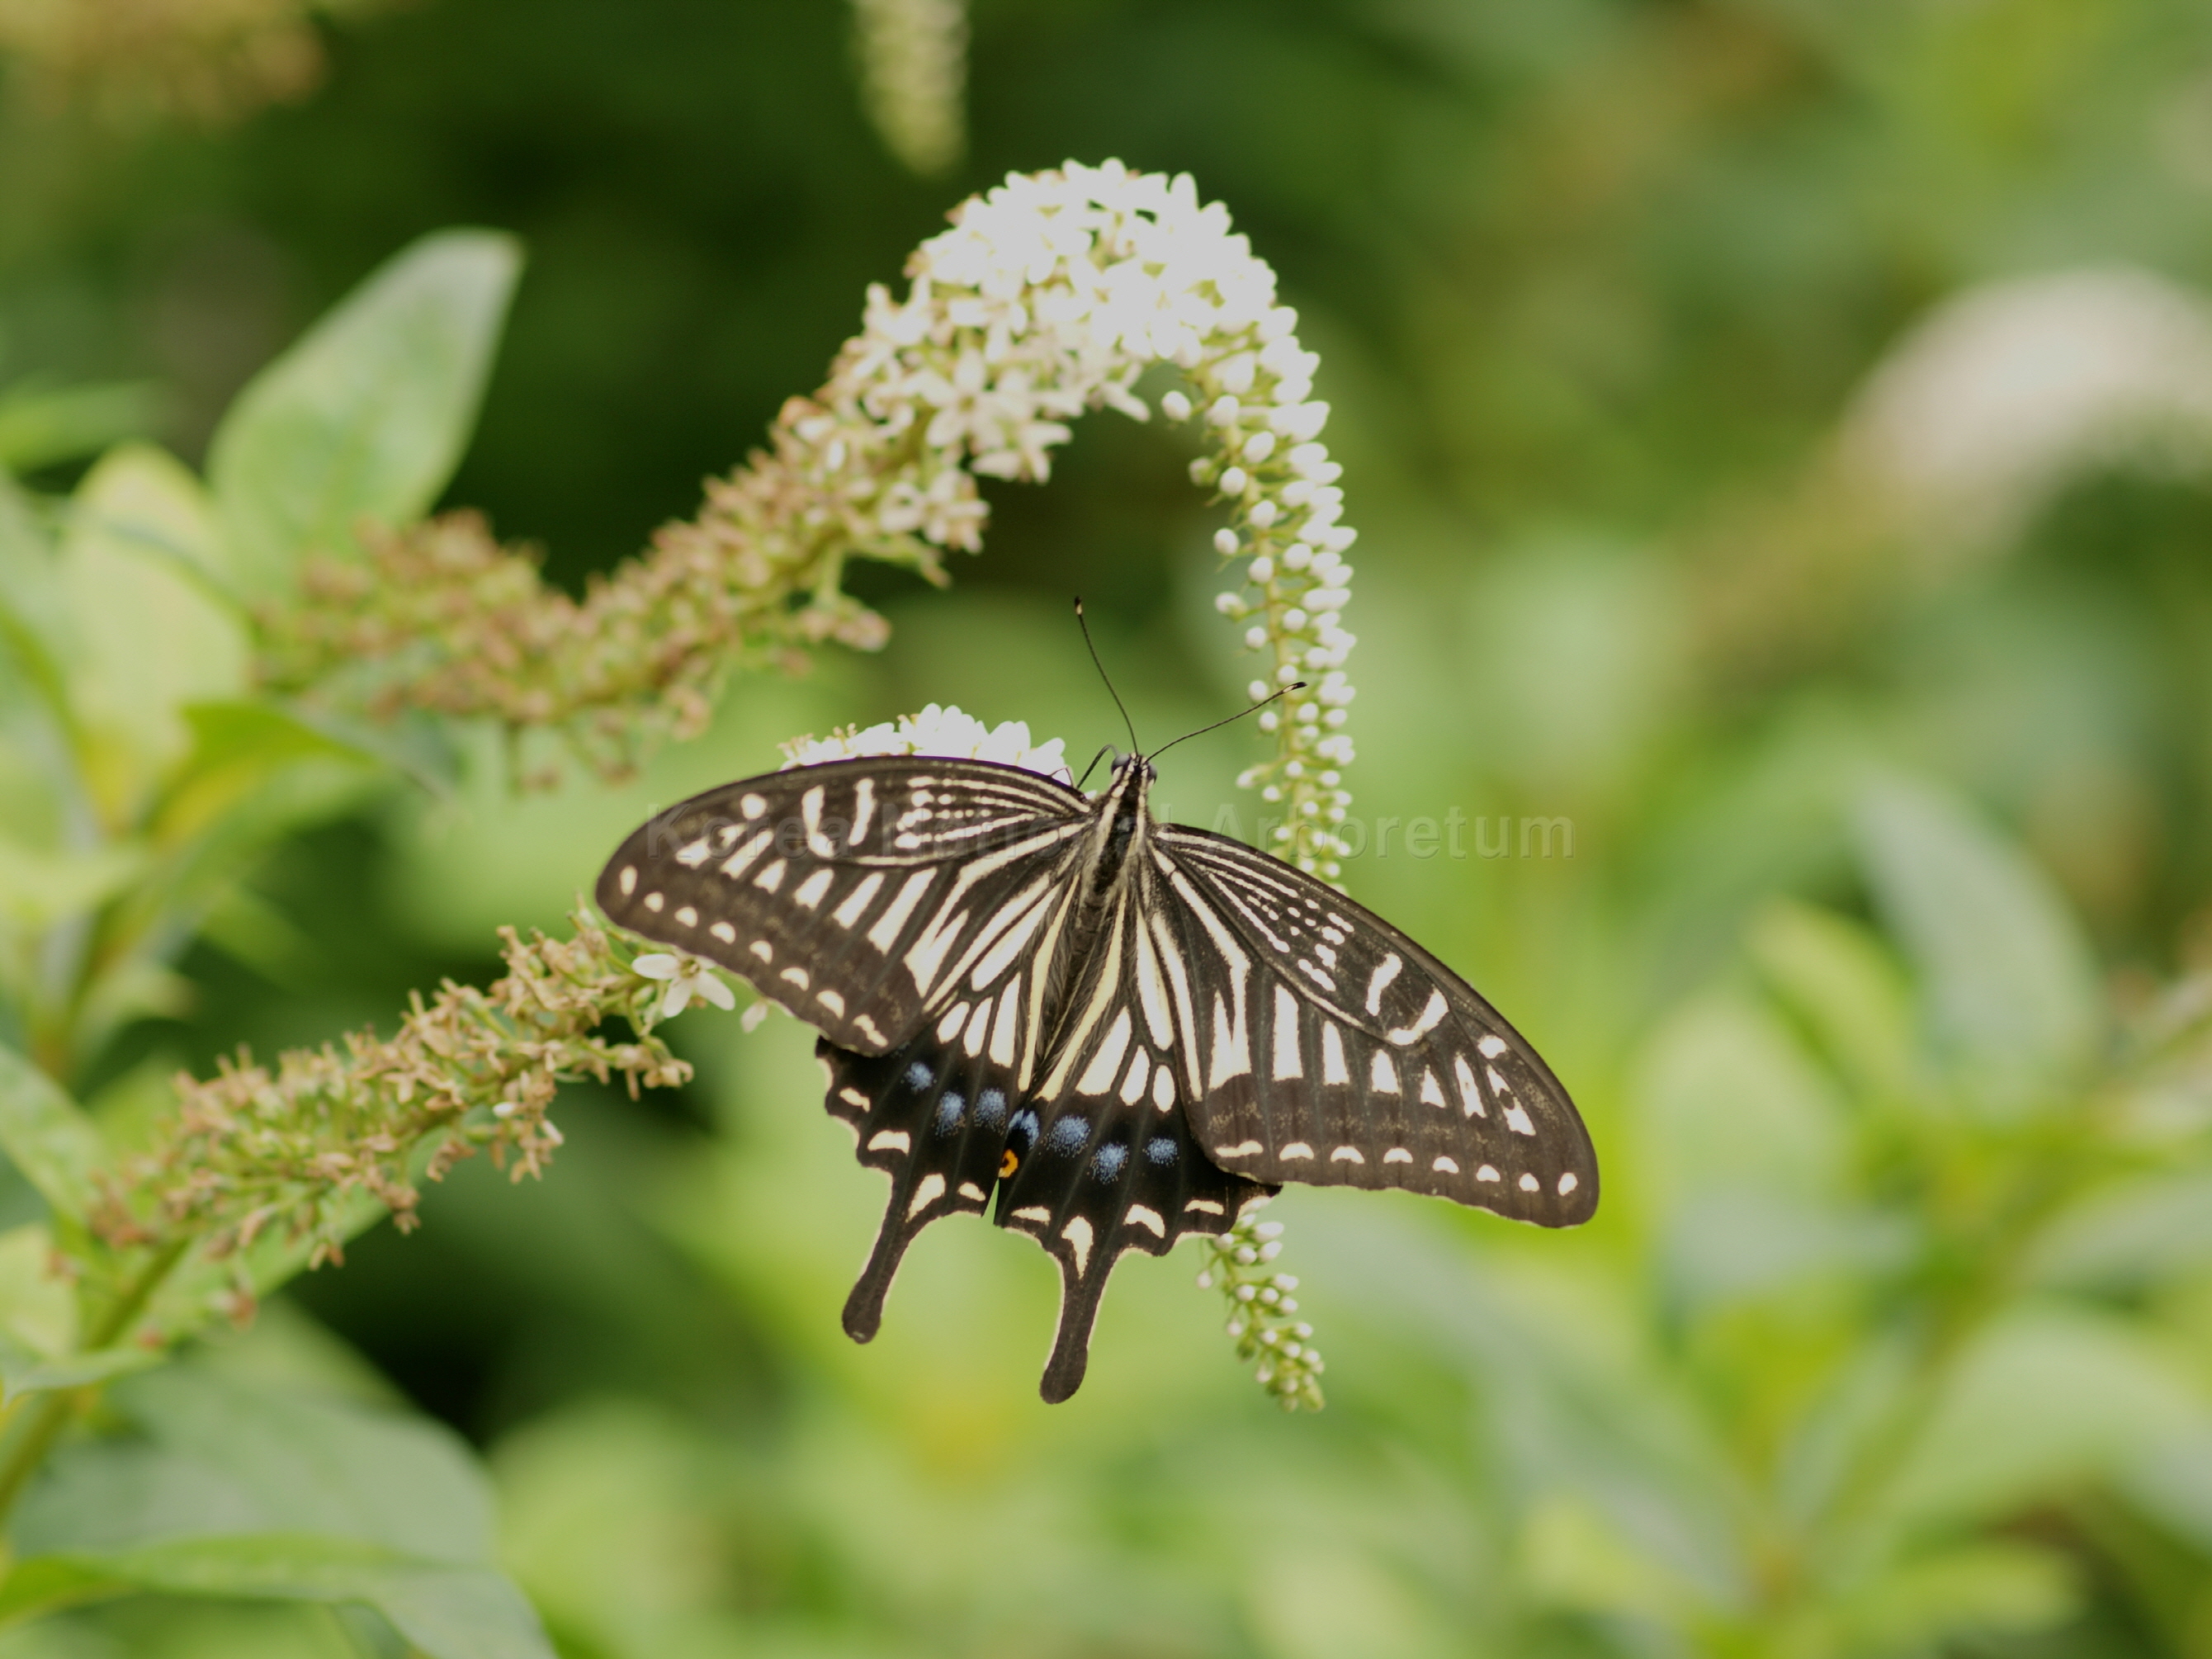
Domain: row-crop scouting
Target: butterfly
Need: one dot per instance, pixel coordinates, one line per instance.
(1111, 1031)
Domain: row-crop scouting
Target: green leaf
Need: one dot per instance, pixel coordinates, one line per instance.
(151, 633)
(226, 1489)
(23, 1373)
(1839, 983)
(40, 425)
(1726, 1097)
(2137, 1231)
(38, 889)
(2008, 988)
(446, 1613)
(368, 414)
(1999, 1586)
(47, 1136)
(2043, 1400)
(33, 617)
(38, 1306)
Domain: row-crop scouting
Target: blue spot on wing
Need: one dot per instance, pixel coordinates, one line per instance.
(948, 1112)
(1068, 1134)
(1106, 1163)
(1160, 1150)
(918, 1076)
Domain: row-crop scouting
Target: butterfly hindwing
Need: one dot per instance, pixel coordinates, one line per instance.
(1096, 1160)
(850, 892)
(1111, 1165)
(1337, 1052)
(932, 1117)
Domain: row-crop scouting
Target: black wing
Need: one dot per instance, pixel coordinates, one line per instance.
(1078, 1131)
(855, 893)
(1328, 1048)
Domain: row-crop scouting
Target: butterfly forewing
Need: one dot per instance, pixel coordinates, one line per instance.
(853, 893)
(1337, 1052)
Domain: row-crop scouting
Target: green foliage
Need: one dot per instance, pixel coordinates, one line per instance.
(366, 416)
(216, 1489)
(150, 780)
(1879, 964)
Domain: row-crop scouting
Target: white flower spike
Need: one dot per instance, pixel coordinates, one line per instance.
(1050, 295)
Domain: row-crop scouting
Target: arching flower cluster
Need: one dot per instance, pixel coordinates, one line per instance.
(1052, 295)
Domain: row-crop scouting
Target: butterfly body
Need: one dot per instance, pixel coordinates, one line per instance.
(1112, 1032)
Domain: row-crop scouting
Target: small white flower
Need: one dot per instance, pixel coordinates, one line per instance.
(686, 977)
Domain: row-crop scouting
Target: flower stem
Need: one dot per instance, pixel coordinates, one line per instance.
(51, 1413)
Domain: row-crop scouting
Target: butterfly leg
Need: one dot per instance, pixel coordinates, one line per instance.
(929, 1117)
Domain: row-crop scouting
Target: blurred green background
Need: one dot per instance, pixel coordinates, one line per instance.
(1778, 433)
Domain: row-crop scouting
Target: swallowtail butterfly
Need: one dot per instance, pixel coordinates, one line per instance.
(1117, 1031)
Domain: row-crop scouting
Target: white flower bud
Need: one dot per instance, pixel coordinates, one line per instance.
(1254, 637)
(1335, 717)
(1294, 619)
(1229, 605)
(1271, 794)
(1201, 471)
(1258, 448)
(1258, 688)
(1286, 675)
(1296, 557)
(1224, 541)
(1263, 568)
(1224, 411)
(1175, 406)
(1269, 721)
(1263, 514)
(1233, 481)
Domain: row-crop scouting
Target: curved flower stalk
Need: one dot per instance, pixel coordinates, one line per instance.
(1049, 296)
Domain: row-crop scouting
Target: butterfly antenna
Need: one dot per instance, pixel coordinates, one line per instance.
(1084, 625)
(1295, 685)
